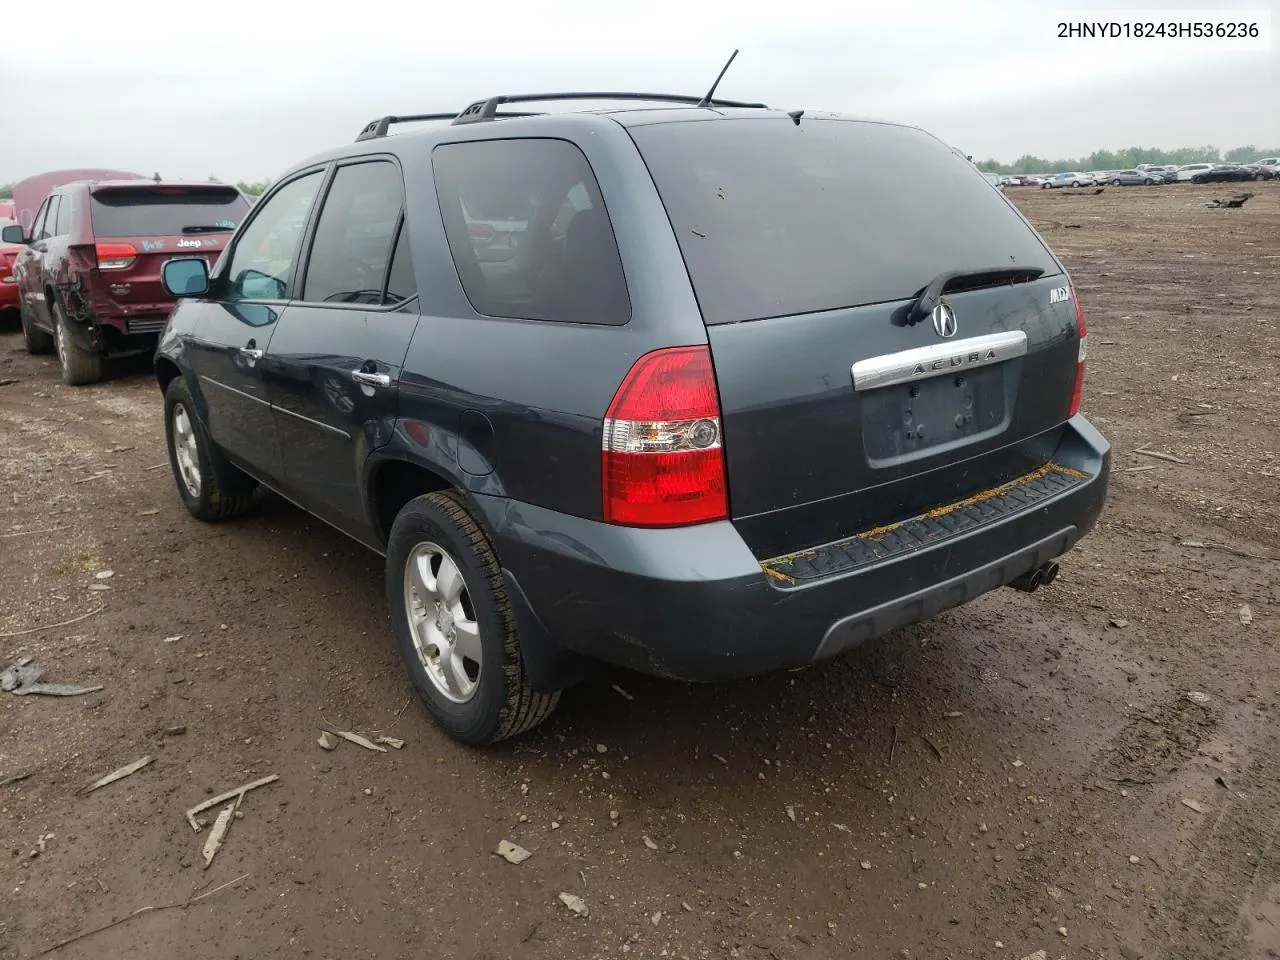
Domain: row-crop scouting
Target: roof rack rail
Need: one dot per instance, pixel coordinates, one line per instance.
(483, 110)
(380, 127)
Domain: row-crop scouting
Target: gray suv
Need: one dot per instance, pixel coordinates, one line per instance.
(700, 388)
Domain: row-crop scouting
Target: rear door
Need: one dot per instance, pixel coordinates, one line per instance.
(808, 245)
(250, 295)
(333, 365)
(137, 227)
(32, 264)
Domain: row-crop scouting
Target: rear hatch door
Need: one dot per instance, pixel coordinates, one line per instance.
(847, 402)
(137, 228)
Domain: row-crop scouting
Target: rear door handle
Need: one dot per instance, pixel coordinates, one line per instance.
(251, 353)
(371, 379)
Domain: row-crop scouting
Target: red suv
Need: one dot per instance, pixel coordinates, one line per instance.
(89, 274)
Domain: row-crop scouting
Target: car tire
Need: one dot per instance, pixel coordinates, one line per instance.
(1148, 182)
(217, 490)
(1116, 182)
(37, 340)
(79, 366)
(1075, 183)
(1258, 176)
(482, 694)
(1197, 180)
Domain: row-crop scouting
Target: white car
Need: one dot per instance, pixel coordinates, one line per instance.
(1189, 170)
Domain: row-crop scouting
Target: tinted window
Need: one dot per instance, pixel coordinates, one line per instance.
(352, 246)
(529, 232)
(66, 212)
(161, 211)
(400, 282)
(46, 219)
(776, 218)
(267, 249)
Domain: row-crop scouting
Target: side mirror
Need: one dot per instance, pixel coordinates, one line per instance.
(186, 277)
(13, 233)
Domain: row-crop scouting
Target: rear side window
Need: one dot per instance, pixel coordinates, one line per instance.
(67, 210)
(529, 232)
(776, 218)
(352, 247)
(162, 211)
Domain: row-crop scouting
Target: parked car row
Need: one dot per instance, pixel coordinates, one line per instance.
(1148, 174)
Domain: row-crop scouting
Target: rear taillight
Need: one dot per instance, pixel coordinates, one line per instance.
(663, 460)
(481, 231)
(1081, 355)
(116, 256)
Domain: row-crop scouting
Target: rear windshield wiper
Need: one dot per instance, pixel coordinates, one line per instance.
(208, 228)
(969, 280)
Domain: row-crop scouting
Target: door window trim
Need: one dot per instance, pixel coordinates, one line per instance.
(314, 223)
(220, 276)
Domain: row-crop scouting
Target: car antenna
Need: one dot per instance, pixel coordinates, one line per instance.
(706, 101)
(157, 177)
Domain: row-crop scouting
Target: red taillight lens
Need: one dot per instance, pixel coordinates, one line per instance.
(663, 462)
(1081, 356)
(116, 256)
(481, 231)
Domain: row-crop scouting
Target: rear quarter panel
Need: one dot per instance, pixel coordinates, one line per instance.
(514, 408)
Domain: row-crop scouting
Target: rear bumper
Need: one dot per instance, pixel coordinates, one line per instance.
(695, 604)
(9, 296)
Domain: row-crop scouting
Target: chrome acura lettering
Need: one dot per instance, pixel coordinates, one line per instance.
(973, 358)
(921, 363)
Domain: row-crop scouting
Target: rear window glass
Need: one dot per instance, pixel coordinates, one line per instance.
(776, 218)
(528, 231)
(166, 211)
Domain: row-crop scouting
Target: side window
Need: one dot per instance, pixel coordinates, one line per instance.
(38, 220)
(529, 232)
(50, 219)
(267, 248)
(401, 285)
(66, 212)
(352, 247)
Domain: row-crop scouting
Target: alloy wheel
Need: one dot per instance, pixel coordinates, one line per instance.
(442, 621)
(186, 450)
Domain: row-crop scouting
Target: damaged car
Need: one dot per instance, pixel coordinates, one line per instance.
(88, 276)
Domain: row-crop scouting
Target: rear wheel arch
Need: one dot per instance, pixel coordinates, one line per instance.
(393, 484)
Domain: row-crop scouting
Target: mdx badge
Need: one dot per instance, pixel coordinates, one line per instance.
(944, 320)
(1059, 295)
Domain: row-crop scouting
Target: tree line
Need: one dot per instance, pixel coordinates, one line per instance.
(1128, 158)
(1027, 163)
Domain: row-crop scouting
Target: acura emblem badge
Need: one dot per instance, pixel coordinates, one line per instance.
(944, 320)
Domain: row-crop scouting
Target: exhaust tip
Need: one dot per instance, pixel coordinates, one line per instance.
(1050, 573)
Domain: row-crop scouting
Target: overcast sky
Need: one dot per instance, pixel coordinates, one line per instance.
(242, 89)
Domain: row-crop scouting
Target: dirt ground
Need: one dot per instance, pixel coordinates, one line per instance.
(1026, 773)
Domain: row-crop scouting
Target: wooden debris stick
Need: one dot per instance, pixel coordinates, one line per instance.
(27, 533)
(359, 740)
(224, 797)
(115, 775)
(52, 626)
(1161, 456)
(139, 912)
(219, 831)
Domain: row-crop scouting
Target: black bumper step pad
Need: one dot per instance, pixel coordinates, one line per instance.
(926, 530)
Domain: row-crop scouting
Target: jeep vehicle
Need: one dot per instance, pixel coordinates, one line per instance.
(744, 388)
(89, 278)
